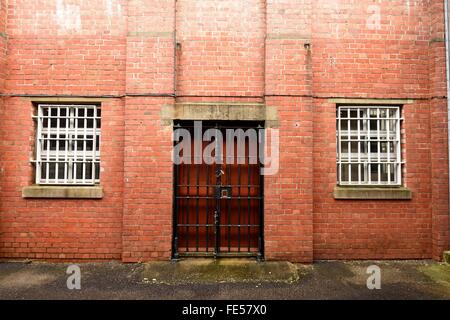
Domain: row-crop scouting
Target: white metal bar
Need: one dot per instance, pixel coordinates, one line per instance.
(57, 144)
(84, 145)
(66, 146)
(399, 151)
(49, 124)
(359, 148)
(39, 145)
(369, 148)
(94, 145)
(379, 145)
(71, 145)
(388, 143)
(75, 152)
(349, 146)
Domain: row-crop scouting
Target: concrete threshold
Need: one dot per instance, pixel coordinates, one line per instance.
(219, 271)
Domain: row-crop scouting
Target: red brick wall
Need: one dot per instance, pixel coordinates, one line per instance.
(233, 51)
(59, 229)
(288, 195)
(150, 47)
(221, 49)
(355, 57)
(67, 47)
(53, 52)
(351, 60)
(147, 212)
(2, 43)
(372, 229)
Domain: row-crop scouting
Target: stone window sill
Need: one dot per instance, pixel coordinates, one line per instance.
(372, 193)
(62, 192)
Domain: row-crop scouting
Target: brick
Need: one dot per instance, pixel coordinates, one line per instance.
(296, 59)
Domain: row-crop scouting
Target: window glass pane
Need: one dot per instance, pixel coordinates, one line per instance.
(44, 170)
(63, 118)
(97, 171)
(384, 173)
(354, 146)
(344, 148)
(345, 173)
(80, 122)
(53, 142)
(393, 113)
(374, 148)
(355, 170)
(97, 146)
(61, 170)
(90, 143)
(363, 146)
(373, 125)
(374, 172)
(393, 173)
(52, 170)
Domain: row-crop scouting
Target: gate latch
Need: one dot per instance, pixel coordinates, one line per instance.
(224, 192)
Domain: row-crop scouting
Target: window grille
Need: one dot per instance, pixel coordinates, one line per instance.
(68, 144)
(369, 145)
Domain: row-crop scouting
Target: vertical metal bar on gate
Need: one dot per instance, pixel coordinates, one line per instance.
(217, 195)
(261, 144)
(233, 233)
(175, 205)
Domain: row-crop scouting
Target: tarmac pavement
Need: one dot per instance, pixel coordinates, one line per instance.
(226, 279)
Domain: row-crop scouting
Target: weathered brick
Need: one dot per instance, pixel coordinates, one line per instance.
(142, 56)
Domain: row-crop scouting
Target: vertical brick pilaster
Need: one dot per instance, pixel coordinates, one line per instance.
(150, 47)
(3, 48)
(439, 129)
(288, 194)
(3, 39)
(288, 80)
(147, 214)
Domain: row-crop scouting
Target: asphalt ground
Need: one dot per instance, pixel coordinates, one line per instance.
(230, 280)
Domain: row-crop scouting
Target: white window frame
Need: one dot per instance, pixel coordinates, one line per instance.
(364, 138)
(73, 148)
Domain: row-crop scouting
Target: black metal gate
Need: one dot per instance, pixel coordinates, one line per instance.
(218, 207)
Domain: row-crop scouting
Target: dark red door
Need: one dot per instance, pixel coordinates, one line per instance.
(218, 207)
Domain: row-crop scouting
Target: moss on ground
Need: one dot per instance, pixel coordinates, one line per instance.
(224, 270)
(439, 274)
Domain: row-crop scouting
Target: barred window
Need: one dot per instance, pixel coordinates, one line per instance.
(68, 144)
(369, 145)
